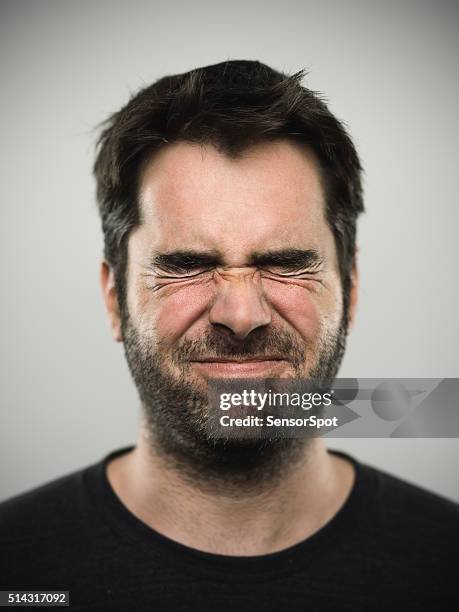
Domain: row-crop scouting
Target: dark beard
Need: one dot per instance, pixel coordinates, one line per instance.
(175, 409)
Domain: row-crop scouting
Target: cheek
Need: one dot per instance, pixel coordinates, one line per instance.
(176, 311)
(170, 313)
(307, 310)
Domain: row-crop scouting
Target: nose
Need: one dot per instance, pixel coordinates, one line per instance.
(239, 306)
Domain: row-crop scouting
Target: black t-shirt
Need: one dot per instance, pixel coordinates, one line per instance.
(392, 546)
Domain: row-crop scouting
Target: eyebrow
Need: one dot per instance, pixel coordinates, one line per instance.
(186, 259)
(190, 259)
(298, 258)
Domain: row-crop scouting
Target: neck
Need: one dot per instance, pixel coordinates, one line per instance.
(217, 520)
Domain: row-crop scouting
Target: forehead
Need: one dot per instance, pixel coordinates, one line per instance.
(193, 196)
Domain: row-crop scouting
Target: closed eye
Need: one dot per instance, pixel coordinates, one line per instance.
(286, 272)
(180, 274)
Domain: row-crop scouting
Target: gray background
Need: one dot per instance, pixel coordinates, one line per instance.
(388, 69)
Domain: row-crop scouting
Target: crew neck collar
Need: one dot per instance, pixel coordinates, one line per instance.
(126, 526)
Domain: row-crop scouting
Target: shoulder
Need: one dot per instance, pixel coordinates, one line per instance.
(400, 498)
(65, 507)
(392, 498)
(46, 509)
(401, 537)
(50, 523)
(409, 524)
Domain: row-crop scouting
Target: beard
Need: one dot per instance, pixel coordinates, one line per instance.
(176, 407)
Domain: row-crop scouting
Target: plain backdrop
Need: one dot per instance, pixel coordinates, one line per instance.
(388, 69)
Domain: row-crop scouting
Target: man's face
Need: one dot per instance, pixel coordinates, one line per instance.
(232, 272)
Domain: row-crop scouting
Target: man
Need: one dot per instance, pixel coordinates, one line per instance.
(229, 197)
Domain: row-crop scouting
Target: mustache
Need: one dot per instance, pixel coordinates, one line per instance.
(259, 343)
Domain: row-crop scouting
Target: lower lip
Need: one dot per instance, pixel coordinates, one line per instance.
(233, 369)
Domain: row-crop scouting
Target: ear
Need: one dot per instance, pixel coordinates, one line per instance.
(354, 293)
(107, 282)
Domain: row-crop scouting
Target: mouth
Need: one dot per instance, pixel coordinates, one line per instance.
(239, 368)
